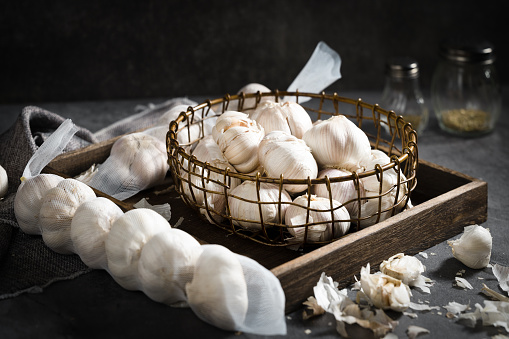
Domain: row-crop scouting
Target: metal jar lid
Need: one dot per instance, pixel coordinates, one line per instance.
(402, 67)
(467, 50)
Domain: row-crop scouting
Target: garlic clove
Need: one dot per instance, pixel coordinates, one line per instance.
(406, 268)
(166, 264)
(58, 207)
(4, 182)
(28, 201)
(218, 291)
(289, 117)
(282, 153)
(89, 228)
(124, 243)
(320, 212)
(473, 248)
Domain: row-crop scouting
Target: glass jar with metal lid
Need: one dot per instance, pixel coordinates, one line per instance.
(465, 91)
(402, 92)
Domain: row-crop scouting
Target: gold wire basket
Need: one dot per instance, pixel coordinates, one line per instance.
(386, 131)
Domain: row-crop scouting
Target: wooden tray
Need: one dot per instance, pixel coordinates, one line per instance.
(445, 201)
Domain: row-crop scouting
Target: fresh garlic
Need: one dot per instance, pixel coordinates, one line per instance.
(283, 153)
(473, 248)
(320, 212)
(384, 291)
(28, 201)
(124, 243)
(337, 142)
(343, 191)
(4, 182)
(58, 207)
(218, 291)
(238, 138)
(406, 268)
(89, 228)
(289, 117)
(249, 103)
(243, 203)
(166, 264)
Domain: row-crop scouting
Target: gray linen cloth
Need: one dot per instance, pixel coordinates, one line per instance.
(26, 264)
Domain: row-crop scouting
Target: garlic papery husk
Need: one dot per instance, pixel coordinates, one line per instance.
(58, 207)
(384, 291)
(343, 191)
(166, 265)
(289, 117)
(284, 154)
(406, 268)
(4, 182)
(124, 243)
(89, 228)
(473, 248)
(337, 142)
(28, 201)
(238, 138)
(320, 224)
(245, 209)
(218, 292)
(137, 161)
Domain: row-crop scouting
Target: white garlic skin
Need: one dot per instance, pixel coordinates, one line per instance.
(167, 264)
(89, 229)
(283, 153)
(337, 142)
(289, 117)
(248, 210)
(28, 201)
(218, 291)
(319, 211)
(124, 243)
(474, 246)
(403, 267)
(251, 102)
(57, 211)
(4, 182)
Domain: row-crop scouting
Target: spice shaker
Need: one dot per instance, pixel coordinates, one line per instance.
(402, 92)
(465, 91)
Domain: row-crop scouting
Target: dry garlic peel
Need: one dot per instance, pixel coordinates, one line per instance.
(320, 213)
(4, 182)
(89, 229)
(406, 268)
(289, 117)
(473, 248)
(58, 207)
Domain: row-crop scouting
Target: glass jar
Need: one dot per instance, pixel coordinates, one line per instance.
(465, 91)
(402, 92)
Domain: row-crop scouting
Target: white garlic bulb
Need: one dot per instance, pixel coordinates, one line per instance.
(58, 207)
(246, 212)
(166, 264)
(124, 243)
(337, 142)
(253, 88)
(218, 291)
(406, 268)
(172, 114)
(473, 248)
(4, 182)
(28, 201)
(384, 291)
(283, 153)
(238, 138)
(89, 228)
(289, 117)
(320, 212)
(344, 192)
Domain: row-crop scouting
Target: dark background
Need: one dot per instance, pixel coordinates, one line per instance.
(92, 50)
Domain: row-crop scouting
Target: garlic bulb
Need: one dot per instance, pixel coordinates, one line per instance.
(218, 291)
(172, 114)
(4, 182)
(337, 142)
(166, 264)
(406, 268)
(320, 212)
(89, 228)
(124, 243)
(247, 210)
(238, 138)
(28, 201)
(473, 248)
(289, 117)
(253, 88)
(384, 291)
(57, 211)
(283, 153)
(341, 191)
